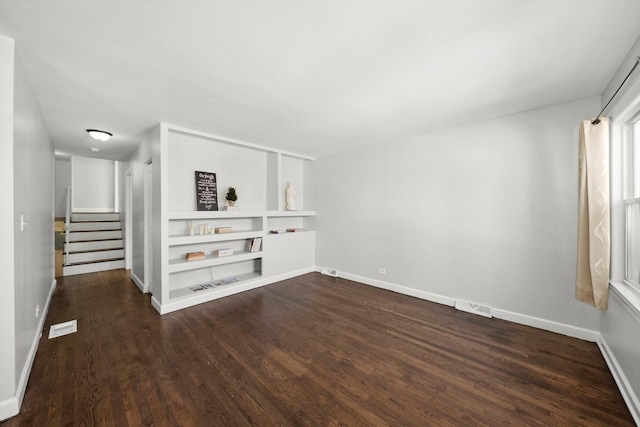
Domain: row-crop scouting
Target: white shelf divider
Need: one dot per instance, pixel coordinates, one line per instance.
(181, 264)
(186, 239)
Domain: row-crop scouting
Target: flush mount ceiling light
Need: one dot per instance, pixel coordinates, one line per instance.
(99, 135)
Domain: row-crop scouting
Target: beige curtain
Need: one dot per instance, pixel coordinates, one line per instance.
(592, 278)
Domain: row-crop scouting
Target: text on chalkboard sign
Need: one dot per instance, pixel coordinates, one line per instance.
(206, 191)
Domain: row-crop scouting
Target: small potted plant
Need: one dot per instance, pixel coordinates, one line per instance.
(231, 196)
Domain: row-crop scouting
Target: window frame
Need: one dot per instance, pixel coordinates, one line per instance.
(631, 195)
(623, 110)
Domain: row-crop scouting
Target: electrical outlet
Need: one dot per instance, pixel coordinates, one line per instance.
(382, 270)
(37, 311)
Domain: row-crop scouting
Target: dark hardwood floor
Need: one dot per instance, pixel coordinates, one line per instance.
(313, 350)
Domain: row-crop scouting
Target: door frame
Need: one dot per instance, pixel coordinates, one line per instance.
(148, 227)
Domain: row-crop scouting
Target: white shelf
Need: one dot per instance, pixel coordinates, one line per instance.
(186, 239)
(288, 233)
(181, 264)
(213, 214)
(209, 294)
(275, 214)
(259, 174)
(202, 215)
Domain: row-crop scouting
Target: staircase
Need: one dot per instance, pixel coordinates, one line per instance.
(95, 243)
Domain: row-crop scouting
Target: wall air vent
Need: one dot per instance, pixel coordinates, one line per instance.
(472, 307)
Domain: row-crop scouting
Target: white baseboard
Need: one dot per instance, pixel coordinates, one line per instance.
(547, 325)
(440, 299)
(11, 407)
(626, 390)
(22, 385)
(138, 283)
(523, 319)
(156, 304)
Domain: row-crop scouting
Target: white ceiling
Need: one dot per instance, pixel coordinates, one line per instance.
(313, 77)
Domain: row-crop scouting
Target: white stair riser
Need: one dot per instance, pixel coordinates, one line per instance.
(95, 217)
(97, 245)
(92, 268)
(89, 226)
(94, 256)
(95, 235)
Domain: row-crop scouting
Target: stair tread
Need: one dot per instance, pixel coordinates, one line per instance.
(93, 221)
(95, 231)
(93, 262)
(88, 251)
(93, 213)
(98, 240)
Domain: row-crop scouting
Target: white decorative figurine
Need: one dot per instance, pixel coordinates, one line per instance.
(289, 202)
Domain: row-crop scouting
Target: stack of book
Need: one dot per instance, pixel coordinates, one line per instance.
(224, 252)
(253, 245)
(194, 256)
(293, 229)
(220, 230)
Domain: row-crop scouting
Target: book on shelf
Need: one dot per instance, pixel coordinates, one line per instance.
(277, 231)
(220, 230)
(294, 229)
(224, 252)
(194, 256)
(201, 286)
(225, 281)
(213, 284)
(253, 245)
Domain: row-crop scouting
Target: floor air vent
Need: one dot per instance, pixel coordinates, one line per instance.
(63, 329)
(328, 272)
(472, 307)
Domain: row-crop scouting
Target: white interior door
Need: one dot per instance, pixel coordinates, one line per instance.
(128, 219)
(148, 229)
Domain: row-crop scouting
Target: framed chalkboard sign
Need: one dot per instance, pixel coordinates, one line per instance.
(206, 191)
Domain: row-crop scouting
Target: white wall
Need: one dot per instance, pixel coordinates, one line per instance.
(621, 333)
(621, 322)
(63, 180)
(123, 169)
(28, 269)
(235, 166)
(483, 211)
(293, 172)
(93, 184)
(7, 225)
(146, 152)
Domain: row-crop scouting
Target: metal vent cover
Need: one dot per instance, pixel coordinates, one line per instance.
(475, 308)
(329, 272)
(65, 328)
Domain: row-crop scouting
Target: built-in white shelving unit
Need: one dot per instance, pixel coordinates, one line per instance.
(260, 175)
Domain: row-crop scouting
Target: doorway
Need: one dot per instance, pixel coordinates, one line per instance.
(148, 228)
(128, 218)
